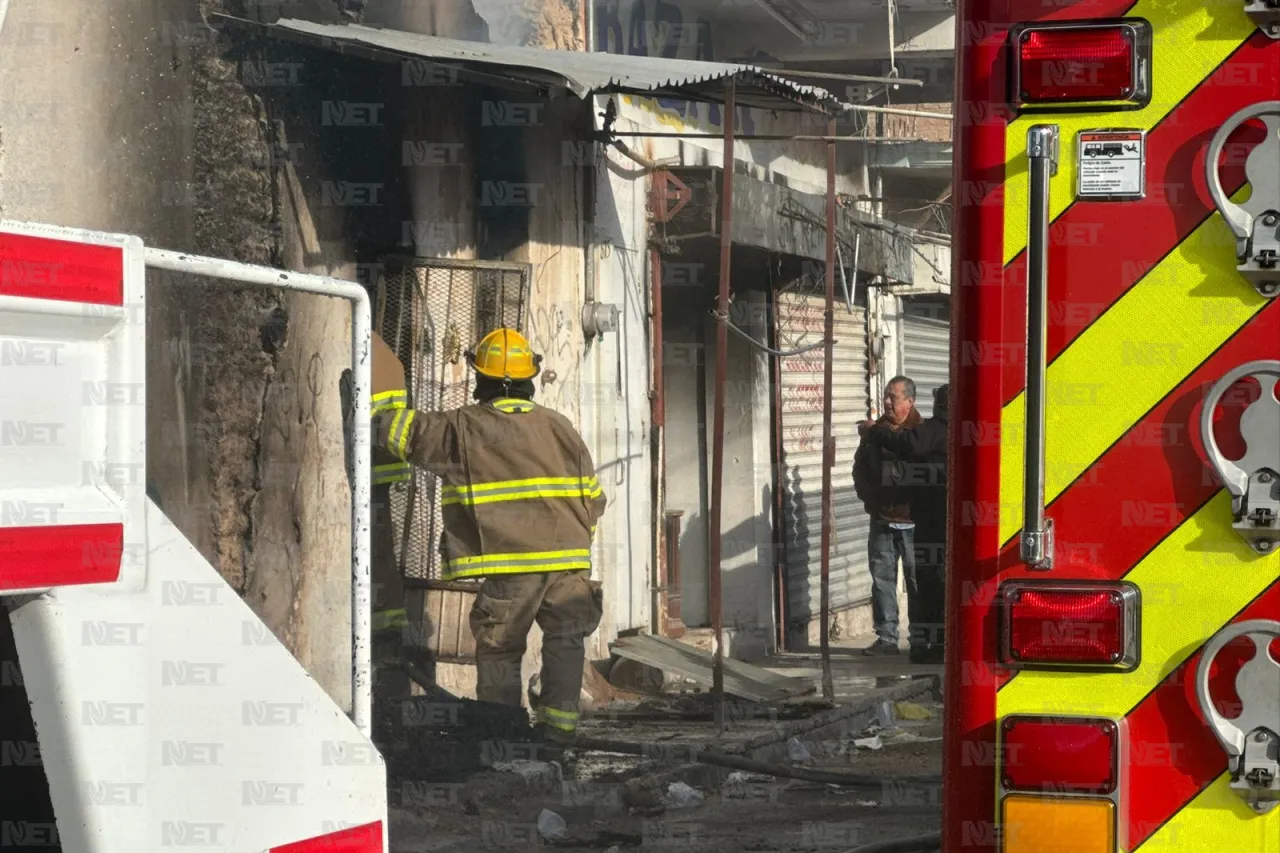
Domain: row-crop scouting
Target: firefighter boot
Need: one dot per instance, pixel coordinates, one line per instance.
(570, 612)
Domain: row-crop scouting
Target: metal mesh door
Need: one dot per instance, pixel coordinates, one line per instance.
(431, 311)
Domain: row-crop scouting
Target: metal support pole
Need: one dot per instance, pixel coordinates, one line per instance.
(362, 481)
(657, 443)
(896, 111)
(828, 445)
(659, 413)
(717, 446)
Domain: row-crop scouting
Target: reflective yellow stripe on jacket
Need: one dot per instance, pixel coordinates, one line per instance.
(384, 620)
(513, 405)
(393, 472)
(474, 494)
(398, 438)
(511, 564)
(388, 400)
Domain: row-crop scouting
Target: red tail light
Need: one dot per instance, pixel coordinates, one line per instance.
(1072, 625)
(1059, 756)
(1082, 63)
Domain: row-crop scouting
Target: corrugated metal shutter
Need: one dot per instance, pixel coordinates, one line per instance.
(926, 348)
(799, 322)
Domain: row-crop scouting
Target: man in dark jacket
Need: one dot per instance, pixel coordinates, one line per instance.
(924, 449)
(880, 481)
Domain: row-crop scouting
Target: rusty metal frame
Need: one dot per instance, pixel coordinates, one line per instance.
(661, 193)
(714, 580)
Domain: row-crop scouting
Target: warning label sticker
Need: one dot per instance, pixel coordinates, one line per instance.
(1112, 163)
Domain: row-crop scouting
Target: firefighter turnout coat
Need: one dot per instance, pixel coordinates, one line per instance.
(519, 489)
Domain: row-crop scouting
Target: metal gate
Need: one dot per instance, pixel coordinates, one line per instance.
(799, 323)
(926, 342)
(431, 311)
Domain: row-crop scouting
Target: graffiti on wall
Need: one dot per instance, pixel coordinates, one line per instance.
(657, 28)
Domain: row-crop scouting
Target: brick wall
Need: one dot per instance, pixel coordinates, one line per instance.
(914, 127)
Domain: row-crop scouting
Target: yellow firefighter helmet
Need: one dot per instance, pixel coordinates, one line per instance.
(505, 354)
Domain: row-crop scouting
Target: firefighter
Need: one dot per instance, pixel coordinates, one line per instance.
(520, 502)
(924, 447)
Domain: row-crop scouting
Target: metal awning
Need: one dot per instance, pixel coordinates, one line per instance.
(582, 73)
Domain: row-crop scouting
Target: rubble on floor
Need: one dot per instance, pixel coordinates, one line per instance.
(466, 775)
(652, 664)
(439, 737)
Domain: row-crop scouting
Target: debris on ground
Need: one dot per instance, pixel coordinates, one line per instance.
(700, 707)
(912, 711)
(872, 742)
(798, 752)
(536, 773)
(551, 826)
(643, 797)
(901, 736)
(682, 796)
(604, 800)
(668, 662)
(439, 737)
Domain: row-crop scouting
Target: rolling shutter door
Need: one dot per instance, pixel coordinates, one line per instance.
(926, 348)
(799, 323)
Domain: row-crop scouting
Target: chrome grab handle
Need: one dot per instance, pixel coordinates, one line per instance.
(1250, 740)
(1256, 222)
(1036, 544)
(1266, 14)
(1254, 479)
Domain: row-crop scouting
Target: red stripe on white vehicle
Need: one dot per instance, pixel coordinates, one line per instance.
(41, 268)
(60, 555)
(366, 838)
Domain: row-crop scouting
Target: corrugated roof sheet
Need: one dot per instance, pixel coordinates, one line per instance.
(580, 72)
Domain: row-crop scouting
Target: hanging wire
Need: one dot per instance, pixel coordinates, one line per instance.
(722, 317)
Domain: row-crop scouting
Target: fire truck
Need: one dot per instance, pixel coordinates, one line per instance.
(1113, 673)
(143, 704)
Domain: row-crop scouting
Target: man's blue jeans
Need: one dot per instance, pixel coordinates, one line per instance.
(885, 547)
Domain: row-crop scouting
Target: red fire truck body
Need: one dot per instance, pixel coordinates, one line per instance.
(1113, 673)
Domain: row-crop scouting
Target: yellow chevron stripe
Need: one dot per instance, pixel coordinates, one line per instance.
(1143, 347)
(1217, 819)
(1190, 39)
(1192, 583)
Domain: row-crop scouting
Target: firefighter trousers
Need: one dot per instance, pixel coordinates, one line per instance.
(567, 607)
